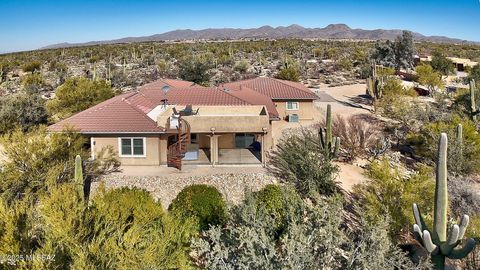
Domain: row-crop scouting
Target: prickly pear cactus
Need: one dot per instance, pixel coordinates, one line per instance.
(436, 241)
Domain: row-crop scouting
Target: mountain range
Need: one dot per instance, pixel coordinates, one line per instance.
(332, 31)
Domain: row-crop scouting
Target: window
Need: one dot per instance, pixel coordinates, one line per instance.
(132, 147)
(244, 140)
(292, 105)
(193, 138)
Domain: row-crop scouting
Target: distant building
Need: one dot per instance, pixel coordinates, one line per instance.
(459, 63)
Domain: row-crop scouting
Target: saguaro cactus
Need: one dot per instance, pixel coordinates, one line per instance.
(459, 140)
(328, 143)
(436, 242)
(79, 180)
(474, 110)
(374, 86)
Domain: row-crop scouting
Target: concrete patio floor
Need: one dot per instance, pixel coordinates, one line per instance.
(237, 156)
(227, 156)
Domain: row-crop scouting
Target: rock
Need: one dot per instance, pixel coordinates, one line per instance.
(165, 189)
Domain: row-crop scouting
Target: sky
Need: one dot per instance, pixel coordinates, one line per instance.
(28, 24)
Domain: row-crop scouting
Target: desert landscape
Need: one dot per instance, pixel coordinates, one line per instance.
(197, 135)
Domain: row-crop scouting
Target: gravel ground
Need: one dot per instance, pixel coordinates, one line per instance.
(165, 188)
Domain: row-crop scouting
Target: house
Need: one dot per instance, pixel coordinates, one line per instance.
(460, 64)
(173, 122)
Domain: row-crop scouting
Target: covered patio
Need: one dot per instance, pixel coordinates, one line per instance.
(226, 135)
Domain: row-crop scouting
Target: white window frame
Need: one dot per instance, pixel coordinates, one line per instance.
(144, 139)
(298, 105)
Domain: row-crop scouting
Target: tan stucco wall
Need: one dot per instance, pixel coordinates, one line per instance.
(226, 141)
(152, 151)
(227, 123)
(203, 140)
(305, 111)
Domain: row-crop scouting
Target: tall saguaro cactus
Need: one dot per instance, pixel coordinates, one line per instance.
(459, 141)
(474, 110)
(329, 144)
(374, 86)
(79, 180)
(436, 242)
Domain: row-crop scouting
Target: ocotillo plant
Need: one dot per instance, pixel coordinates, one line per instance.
(79, 181)
(473, 107)
(436, 242)
(328, 143)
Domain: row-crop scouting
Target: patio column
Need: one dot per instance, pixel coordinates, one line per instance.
(262, 147)
(213, 149)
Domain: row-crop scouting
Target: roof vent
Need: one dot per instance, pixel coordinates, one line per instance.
(166, 88)
(226, 90)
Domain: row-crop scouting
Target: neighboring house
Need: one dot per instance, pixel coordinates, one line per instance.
(172, 122)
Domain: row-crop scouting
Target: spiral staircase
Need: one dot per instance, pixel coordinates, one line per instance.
(176, 151)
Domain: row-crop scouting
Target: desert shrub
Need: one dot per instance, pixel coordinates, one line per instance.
(424, 144)
(299, 160)
(18, 231)
(472, 261)
(38, 160)
(274, 200)
(429, 77)
(31, 66)
(34, 83)
(462, 102)
(241, 66)
(22, 110)
(475, 74)
(390, 192)
(312, 239)
(289, 73)
(195, 69)
(121, 229)
(202, 202)
(78, 94)
(394, 87)
(464, 198)
(442, 64)
(356, 136)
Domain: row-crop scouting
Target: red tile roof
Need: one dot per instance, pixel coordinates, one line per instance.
(127, 113)
(276, 89)
(194, 96)
(115, 115)
(159, 84)
(253, 97)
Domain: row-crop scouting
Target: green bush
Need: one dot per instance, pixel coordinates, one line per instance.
(202, 202)
(289, 73)
(276, 200)
(22, 110)
(300, 161)
(37, 161)
(31, 66)
(78, 94)
(424, 144)
(390, 193)
(314, 238)
(121, 229)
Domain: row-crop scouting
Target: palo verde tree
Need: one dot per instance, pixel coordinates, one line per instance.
(78, 94)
